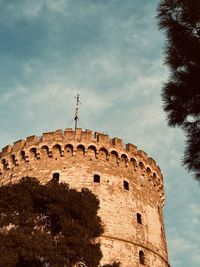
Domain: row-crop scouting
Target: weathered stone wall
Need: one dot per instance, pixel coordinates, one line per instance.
(77, 157)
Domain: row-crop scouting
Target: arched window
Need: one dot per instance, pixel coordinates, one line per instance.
(56, 176)
(23, 155)
(69, 150)
(56, 151)
(134, 162)
(141, 257)
(139, 218)
(33, 152)
(114, 157)
(141, 165)
(81, 150)
(103, 153)
(148, 171)
(45, 151)
(96, 178)
(91, 152)
(13, 159)
(123, 160)
(126, 185)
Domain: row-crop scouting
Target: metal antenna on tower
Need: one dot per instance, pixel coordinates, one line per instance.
(76, 118)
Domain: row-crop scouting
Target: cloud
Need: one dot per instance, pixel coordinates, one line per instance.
(182, 249)
(196, 258)
(110, 53)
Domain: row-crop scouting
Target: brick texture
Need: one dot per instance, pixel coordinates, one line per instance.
(130, 183)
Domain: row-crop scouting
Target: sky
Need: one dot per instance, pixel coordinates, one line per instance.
(111, 52)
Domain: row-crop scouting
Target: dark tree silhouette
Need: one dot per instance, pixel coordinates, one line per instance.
(48, 225)
(180, 19)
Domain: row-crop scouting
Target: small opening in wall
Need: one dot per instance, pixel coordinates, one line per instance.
(13, 159)
(4, 164)
(56, 176)
(126, 185)
(96, 178)
(141, 165)
(148, 171)
(139, 218)
(23, 155)
(141, 257)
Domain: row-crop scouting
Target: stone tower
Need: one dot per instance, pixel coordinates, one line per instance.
(127, 182)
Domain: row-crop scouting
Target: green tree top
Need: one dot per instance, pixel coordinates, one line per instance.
(48, 225)
(180, 19)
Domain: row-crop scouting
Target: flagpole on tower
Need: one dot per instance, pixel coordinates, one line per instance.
(76, 117)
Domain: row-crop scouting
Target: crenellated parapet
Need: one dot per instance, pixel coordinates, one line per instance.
(94, 146)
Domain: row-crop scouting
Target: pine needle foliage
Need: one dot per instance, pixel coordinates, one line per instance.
(180, 19)
(48, 225)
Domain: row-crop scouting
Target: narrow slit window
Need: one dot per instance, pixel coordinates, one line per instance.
(126, 185)
(141, 257)
(56, 176)
(139, 218)
(96, 178)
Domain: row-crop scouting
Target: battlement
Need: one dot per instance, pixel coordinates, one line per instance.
(85, 140)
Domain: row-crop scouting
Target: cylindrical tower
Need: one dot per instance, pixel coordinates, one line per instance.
(127, 182)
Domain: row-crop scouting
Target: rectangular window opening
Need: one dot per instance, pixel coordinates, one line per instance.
(126, 185)
(56, 176)
(96, 178)
(139, 218)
